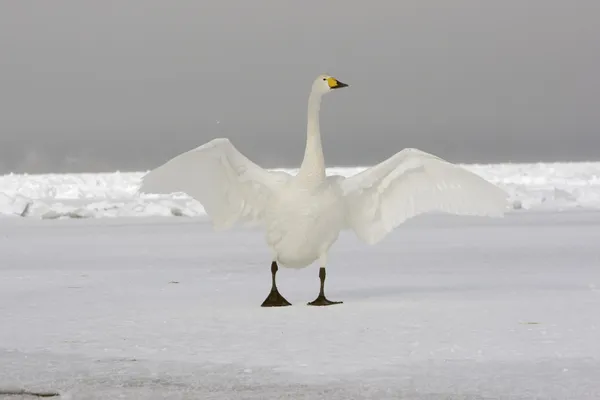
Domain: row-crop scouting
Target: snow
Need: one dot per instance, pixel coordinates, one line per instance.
(166, 308)
(100, 303)
(541, 186)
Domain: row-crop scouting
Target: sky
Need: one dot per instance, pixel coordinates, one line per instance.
(126, 85)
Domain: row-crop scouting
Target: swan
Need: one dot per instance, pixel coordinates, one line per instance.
(303, 215)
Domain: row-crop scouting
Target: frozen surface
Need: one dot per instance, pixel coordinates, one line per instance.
(165, 308)
(554, 186)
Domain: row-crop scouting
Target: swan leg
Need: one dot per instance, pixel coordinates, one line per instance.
(275, 299)
(321, 300)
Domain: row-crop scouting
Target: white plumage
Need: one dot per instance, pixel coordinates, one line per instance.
(302, 215)
(229, 186)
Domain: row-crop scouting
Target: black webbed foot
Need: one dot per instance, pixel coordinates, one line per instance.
(275, 299)
(323, 301)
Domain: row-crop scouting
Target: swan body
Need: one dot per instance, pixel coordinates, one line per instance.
(302, 215)
(302, 224)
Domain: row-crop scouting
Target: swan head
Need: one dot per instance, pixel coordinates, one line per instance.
(327, 83)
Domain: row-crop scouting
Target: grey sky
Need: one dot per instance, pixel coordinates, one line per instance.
(113, 84)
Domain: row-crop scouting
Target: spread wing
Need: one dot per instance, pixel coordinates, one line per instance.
(230, 187)
(410, 183)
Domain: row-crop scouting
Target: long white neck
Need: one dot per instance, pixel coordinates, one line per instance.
(313, 164)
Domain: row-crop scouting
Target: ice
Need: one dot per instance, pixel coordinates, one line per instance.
(166, 308)
(102, 304)
(540, 186)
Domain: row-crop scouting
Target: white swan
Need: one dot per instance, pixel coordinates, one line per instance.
(303, 215)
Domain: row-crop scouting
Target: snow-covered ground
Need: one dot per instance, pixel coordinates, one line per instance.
(543, 186)
(165, 308)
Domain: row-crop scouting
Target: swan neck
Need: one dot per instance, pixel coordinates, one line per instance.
(313, 164)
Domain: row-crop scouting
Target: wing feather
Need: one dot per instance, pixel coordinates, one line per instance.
(230, 187)
(410, 183)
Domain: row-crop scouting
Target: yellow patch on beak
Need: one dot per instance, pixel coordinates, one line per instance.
(335, 84)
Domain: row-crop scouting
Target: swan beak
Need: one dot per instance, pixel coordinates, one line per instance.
(335, 84)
